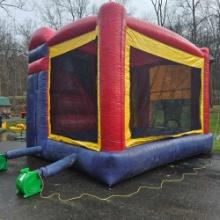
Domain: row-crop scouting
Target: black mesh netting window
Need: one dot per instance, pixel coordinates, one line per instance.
(74, 93)
(164, 96)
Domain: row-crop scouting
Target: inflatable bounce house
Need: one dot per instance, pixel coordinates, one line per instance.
(112, 96)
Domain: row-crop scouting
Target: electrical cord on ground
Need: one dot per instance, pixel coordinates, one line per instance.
(159, 187)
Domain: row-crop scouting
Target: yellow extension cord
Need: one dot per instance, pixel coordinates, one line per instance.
(122, 195)
(160, 187)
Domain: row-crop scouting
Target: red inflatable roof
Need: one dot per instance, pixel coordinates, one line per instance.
(88, 24)
(40, 36)
(74, 29)
(163, 35)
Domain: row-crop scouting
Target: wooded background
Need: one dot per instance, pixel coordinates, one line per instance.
(196, 20)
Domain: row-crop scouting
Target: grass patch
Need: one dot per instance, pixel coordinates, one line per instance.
(2, 130)
(214, 125)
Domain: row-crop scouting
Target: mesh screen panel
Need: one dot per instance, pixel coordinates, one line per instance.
(164, 96)
(74, 93)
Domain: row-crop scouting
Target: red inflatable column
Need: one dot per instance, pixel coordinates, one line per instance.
(206, 90)
(112, 24)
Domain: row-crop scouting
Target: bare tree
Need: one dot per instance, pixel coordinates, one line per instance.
(174, 23)
(160, 9)
(51, 14)
(13, 62)
(212, 40)
(25, 31)
(7, 4)
(192, 15)
(76, 9)
(56, 13)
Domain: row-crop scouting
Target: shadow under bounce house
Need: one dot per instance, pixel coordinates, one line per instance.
(114, 96)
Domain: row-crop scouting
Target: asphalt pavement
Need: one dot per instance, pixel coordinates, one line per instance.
(196, 197)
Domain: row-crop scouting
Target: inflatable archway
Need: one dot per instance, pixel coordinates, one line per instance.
(116, 95)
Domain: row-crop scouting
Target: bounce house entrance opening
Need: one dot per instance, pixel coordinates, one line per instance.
(164, 96)
(73, 93)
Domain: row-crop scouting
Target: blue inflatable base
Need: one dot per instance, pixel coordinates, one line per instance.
(113, 167)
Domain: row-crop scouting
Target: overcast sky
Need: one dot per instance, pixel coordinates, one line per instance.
(141, 9)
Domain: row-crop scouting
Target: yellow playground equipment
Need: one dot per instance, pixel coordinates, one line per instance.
(18, 128)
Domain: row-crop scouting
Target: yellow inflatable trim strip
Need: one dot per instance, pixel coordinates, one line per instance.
(90, 145)
(72, 44)
(149, 45)
(60, 49)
